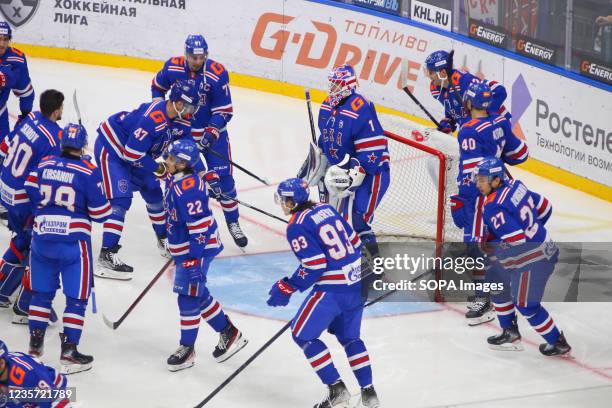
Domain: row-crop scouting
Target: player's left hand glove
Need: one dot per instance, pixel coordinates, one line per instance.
(447, 125)
(345, 177)
(194, 272)
(211, 135)
(161, 171)
(280, 294)
(458, 211)
(214, 184)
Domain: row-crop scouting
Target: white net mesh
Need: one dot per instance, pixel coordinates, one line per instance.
(410, 206)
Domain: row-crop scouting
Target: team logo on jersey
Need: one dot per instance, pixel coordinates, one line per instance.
(123, 185)
(18, 12)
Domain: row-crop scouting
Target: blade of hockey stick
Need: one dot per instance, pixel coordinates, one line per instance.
(108, 322)
(76, 107)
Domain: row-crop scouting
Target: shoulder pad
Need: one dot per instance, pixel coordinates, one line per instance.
(16, 56)
(89, 164)
(215, 70)
(176, 61)
(470, 123)
(490, 200)
(189, 184)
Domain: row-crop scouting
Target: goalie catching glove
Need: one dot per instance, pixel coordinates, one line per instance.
(345, 177)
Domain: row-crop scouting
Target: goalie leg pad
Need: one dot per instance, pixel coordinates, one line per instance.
(367, 198)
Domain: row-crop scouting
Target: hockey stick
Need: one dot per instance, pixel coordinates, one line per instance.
(76, 107)
(404, 79)
(252, 207)
(239, 167)
(323, 194)
(310, 117)
(275, 337)
(114, 325)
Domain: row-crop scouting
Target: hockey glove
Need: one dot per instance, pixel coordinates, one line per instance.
(20, 119)
(193, 271)
(161, 171)
(214, 184)
(447, 126)
(458, 211)
(211, 135)
(280, 293)
(7, 78)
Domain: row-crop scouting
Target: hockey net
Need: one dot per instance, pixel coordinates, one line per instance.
(424, 165)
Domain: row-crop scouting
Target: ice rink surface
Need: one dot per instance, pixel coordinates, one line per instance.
(423, 355)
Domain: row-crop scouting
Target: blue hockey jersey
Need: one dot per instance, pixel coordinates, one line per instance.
(451, 97)
(191, 226)
(515, 218)
(21, 84)
(37, 137)
(67, 196)
(327, 248)
(482, 137)
(27, 372)
(353, 128)
(142, 135)
(215, 107)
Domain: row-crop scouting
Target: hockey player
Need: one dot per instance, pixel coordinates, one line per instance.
(209, 123)
(19, 371)
(14, 75)
(194, 242)
(330, 261)
(355, 147)
(126, 148)
(67, 191)
(37, 137)
(438, 68)
(483, 135)
(525, 251)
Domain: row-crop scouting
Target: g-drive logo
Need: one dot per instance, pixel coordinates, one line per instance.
(18, 12)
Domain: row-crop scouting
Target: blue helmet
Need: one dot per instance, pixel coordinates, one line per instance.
(3, 349)
(74, 137)
(491, 167)
(438, 61)
(479, 94)
(5, 29)
(196, 44)
(294, 188)
(184, 150)
(185, 90)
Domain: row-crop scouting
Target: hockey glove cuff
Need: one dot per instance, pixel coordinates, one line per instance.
(447, 126)
(210, 137)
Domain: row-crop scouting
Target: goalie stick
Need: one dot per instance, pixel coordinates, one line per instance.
(114, 325)
(323, 194)
(276, 336)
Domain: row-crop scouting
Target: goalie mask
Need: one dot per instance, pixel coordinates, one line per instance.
(342, 82)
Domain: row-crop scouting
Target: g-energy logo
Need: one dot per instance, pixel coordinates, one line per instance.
(487, 34)
(596, 71)
(537, 51)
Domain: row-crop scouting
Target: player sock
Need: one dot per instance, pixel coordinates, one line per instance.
(40, 310)
(213, 313)
(505, 313)
(542, 322)
(74, 318)
(190, 319)
(158, 218)
(478, 277)
(113, 226)
(320, 359)
(359, 359)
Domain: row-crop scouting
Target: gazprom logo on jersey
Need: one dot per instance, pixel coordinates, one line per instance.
(53, 224)
(18, 12)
